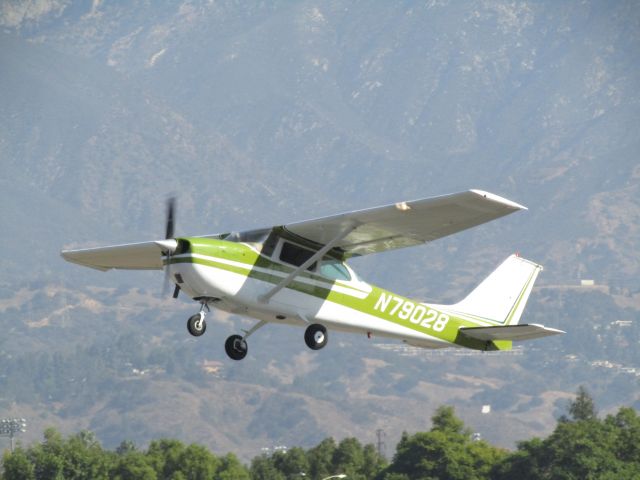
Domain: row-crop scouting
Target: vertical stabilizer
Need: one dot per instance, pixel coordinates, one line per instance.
(501, 297)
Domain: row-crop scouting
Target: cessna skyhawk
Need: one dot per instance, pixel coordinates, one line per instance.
(296, 274)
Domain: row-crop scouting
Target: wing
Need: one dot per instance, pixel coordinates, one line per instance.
(131, 256)
(402, 224)
(369, 231)
(509, 332)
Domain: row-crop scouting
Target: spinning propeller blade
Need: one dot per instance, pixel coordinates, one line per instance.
(169, 232)
(171, 217)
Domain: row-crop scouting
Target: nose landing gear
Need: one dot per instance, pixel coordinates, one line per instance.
(196, 325)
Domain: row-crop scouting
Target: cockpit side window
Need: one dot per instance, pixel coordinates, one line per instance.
(334, 270)
(296, 255)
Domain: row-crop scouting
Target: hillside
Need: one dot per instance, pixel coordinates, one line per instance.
(260, 114)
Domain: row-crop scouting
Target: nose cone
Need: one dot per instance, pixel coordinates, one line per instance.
(170, 245)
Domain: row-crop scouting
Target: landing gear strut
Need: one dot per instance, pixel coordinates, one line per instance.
(315, 336)
(196, 325)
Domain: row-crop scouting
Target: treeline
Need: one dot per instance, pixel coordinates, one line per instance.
(81, 457)
(581, 446)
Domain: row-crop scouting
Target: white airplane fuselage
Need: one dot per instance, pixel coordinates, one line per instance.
(240, 293)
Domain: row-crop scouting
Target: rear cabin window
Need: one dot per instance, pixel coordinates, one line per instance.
(295, 255)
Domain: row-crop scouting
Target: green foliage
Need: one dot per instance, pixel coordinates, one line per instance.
(583, 407)
(231, 469)
(17, 466)
(320, 458)
(444, 420)
(349, 457)
(446, 451)
(133, 465)
(263, 468)
(81, 457)
(582, 446)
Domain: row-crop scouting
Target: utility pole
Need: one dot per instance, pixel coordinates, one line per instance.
(380, 445)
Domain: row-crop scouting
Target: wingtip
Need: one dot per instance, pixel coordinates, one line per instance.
(499, 199)
(67, 255)
(551, 330)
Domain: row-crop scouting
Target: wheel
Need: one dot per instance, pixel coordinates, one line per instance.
(196, 324)
(236, 347)
(315, 336)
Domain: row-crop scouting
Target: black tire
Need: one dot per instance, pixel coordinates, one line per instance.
(236, 347)
(196, 324)
(315, 336)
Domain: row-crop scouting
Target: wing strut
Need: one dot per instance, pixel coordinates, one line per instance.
(316, 256)
(248, 333)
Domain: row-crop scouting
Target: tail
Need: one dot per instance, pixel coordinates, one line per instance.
(496, 306)
(501, 297)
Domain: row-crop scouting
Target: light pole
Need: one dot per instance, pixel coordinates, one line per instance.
(340, 475)
(10, 426)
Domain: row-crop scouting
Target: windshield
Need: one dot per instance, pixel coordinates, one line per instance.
(334, 270)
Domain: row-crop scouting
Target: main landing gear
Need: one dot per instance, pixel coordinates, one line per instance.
(315, 336)
(236, 347)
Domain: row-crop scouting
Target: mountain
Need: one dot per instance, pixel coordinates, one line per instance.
(260, 114)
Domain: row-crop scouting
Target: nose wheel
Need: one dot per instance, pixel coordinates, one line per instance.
(196, 325)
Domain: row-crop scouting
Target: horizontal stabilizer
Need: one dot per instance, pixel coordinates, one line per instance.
(509, 332)
(130, 256)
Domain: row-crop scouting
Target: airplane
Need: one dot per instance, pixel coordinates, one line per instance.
(297, 274)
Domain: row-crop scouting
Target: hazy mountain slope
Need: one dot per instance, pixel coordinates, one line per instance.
(257, 114)
(535, 101)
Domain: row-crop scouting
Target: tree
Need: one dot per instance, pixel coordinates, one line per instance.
(231, 469)
(446, 451)
(126, 447)
(583, 407)
(196, 463)
(84, 458)
(263, 468)
(133, 466)
(47, 464)
(348, 458)
(627, 444)
(581, 446)
(163, 455)
(373, 463)
(292, 463)
(320, 459)
(17, 466)
(444, 420)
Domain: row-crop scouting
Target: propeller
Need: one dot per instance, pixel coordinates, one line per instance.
(171, 217)
(170, 245)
